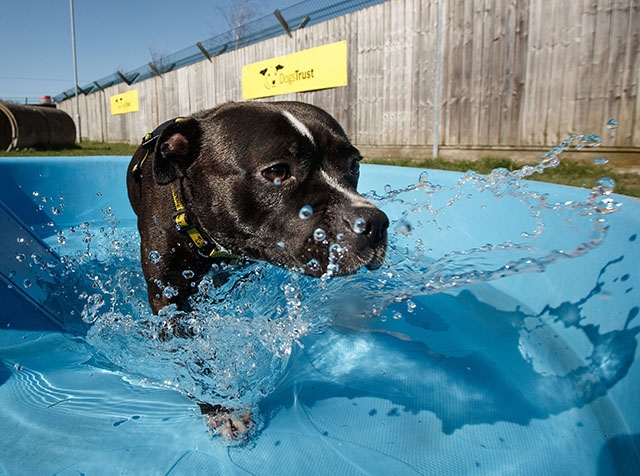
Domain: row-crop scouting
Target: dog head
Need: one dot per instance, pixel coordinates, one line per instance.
(269, 76)
(274, 182)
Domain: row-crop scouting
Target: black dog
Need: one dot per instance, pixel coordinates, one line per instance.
(265, 181)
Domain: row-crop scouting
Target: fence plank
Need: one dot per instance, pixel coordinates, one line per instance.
(515, 73)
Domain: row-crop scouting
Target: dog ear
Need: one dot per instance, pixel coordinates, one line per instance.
(177, 147)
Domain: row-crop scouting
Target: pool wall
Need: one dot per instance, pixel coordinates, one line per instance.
(41, 195)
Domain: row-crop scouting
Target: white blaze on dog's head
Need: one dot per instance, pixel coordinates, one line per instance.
(299, 126)
(352, 196)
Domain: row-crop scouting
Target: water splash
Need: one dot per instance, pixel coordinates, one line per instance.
(234, 347)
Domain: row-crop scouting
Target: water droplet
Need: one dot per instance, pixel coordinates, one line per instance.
(305, 212)
(55, 211)
(91, 308)
(281, 244)
(423, 178)
(313, 265)
(20, 257)
(387, 188)
(605, 186)
(20, 239)
(612, 124)
(403, 227)
(188, 274)
(169, 292)
(277, 181)
(62, 239)
(397, 316)
(154, 256)
(319, 235)
(607, 205)
(359, 226)
(17, 367)
(26, 283)
(340, 236)
(336, 249)
(600, 161)
(35, 194)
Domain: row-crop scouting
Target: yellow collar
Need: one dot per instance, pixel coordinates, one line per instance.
(184, 225)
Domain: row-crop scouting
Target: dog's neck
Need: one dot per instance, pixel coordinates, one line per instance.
(207, 247)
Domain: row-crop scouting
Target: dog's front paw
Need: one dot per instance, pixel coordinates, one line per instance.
(234, 425)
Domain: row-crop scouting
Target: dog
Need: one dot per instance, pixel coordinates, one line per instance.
(268, 181)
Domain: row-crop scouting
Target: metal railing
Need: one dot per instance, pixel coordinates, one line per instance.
(300, 15)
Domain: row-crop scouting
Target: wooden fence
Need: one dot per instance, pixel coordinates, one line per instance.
(477, 76)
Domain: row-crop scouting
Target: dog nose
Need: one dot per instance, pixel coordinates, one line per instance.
(370, 222)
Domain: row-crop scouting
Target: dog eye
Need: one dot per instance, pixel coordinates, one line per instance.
(277, 173)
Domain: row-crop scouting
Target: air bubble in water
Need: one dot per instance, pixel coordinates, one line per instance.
(359, 226)
(154, 256)
(188, 274)
(612, 124)
(305, 212)
(319, 235)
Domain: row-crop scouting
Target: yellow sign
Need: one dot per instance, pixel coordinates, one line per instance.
(308, 70)
(124, 103)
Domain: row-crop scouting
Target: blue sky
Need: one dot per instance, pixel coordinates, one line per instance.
(35, 38)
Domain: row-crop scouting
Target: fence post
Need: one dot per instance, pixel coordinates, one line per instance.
(437, 83)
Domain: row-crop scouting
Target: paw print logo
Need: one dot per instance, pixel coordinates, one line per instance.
(270, 76)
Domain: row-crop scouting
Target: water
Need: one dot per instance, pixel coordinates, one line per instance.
(241, 335)
(426, 328)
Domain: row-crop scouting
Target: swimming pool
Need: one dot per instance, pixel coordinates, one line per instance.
(518, 354)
